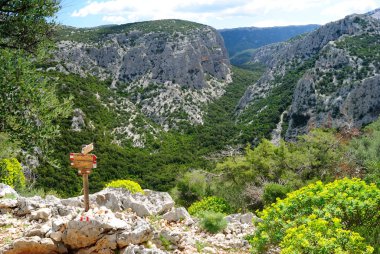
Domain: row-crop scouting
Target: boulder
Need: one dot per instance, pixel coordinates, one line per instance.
(150, 203)
(178, 214)
(35, 245)
(109, 198)
(138, 233)
(41, 214)
(85, 230)
(6, 190)
(38, 230)
(106, 245)
(27, 205)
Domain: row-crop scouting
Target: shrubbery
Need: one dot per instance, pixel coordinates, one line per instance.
(11, 173)
(272, 191)
(213, 222)
(338, 207)
(322, 236)
(212, 204)
(132, 186)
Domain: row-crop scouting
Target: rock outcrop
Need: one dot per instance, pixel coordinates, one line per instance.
(52, 225)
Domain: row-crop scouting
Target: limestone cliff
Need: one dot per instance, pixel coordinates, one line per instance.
(168, 68)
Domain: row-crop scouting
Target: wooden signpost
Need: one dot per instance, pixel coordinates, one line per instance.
(84, 162)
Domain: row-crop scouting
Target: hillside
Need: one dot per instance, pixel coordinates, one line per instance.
(329, 78)
(241, 42)
(170, 69)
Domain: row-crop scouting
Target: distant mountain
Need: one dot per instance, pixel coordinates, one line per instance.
(243, 40)
(374, 13)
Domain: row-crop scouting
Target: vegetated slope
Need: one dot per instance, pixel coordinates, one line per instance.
(241, 42)
(165, 155)
(330, 78)
(168, 68)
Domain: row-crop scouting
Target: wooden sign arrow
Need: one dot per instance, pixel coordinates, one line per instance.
(87, 148)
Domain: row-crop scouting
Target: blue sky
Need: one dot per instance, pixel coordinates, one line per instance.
(216, 13)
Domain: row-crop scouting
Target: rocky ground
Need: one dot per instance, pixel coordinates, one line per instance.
(117, 222)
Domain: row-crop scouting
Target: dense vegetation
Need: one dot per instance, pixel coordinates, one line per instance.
(170, 26)
(165, 156)
(319, 219)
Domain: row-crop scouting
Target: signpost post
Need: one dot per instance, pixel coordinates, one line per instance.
(84, 162)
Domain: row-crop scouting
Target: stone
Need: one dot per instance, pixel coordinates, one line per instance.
(108, 198)
(139, 232)
(133, 249)
(58, 223)
(88, 228)
(41, 214)
(172, 236)
(6, 190)
(150, 203)
(56, 236)
(27, 205)
(106, 245)
(38, 230)
(8, 203)
(35, 245)
(178, 214)
(246, 218)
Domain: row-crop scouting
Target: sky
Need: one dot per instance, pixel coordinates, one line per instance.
(217, 13)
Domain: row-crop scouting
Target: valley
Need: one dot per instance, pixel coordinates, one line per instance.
(231, 121)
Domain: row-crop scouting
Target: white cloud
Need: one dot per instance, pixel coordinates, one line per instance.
(114, 19)
(259, 12)
(345, 7)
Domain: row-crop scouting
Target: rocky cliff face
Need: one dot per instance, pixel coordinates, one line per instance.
(168, 68)
(117, 221)
(336, 82)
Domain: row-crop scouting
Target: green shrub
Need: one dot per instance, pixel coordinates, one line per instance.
(213, 222)
(272, 191)
(322, 236)
(348, 204)
(132, 186)
(213, 204)
(190, 188)
(11, 173)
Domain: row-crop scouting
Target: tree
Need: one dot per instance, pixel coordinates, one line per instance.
(25, 24)
(29, 107)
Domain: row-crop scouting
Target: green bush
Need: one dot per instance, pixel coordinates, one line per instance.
(213, 222)
(348, 204)
(212, 204)
(272, 191)
(190, 188)
(132, 186)
(322, 236)
(11, 173)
